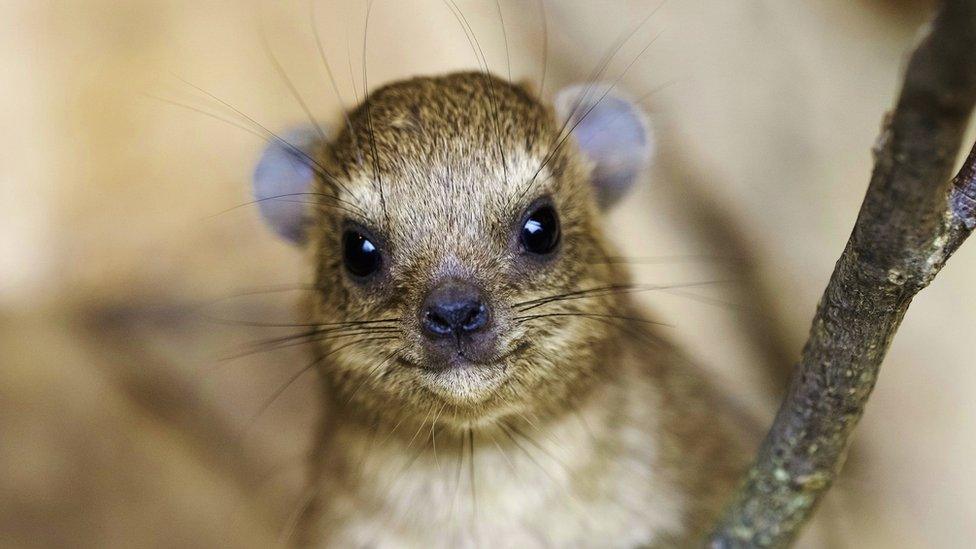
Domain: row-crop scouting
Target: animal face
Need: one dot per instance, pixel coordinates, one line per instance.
(460, 266)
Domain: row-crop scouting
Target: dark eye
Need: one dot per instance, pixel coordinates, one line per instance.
(540, 232)
(360, 254)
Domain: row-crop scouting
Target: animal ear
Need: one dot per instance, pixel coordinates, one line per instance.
(612, 131)
(283, 177)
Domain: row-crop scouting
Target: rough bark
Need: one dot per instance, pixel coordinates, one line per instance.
(912, 220)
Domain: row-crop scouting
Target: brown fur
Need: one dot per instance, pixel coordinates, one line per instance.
(440, 171)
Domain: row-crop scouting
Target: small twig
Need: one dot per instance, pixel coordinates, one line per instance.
(912, 220)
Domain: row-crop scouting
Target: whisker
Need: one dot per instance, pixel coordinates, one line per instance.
(341, 204)
(571, 496)
(539, 447)
(656, 90)
(291, 86)
(377, 171)
(502, 451)
(419, 429)
(373, 370)
(304, 338)
(565, 137)
(206, 113)
(249, 292)
(433, 437)
(294, 377)
(332, 80)
(733, 307)
(592, 78)
(352, 73)
(603, 65)
(667, 259)
(505, 429)
(608, 290)
(394, 429)
(301, 155)
(545, 47)
(482, 61)
(593, 315)
(291, 524)
(474, 492)
(268, 137)
(457, 487)
(325, 63)
(323, 330)
(626, 324)
(249, 323)
(508, 56)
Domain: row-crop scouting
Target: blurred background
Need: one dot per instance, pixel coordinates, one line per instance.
(128, 416)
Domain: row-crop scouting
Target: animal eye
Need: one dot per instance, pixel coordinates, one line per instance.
(360, 255)
(540, 232)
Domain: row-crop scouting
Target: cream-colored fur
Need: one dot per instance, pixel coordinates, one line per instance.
(593, 478)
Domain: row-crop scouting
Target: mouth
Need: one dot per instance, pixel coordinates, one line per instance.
(464, 380)
(462, 360)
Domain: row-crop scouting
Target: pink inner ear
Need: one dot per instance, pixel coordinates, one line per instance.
(612, 131)
(282, 180)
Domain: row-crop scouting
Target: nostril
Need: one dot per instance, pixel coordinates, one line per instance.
(435, 322)
(477, 316)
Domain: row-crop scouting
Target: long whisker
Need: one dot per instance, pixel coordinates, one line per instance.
(419, 429)
(377, 171)
(309, 161)
(483, 62)
(565, 135)
(721, 303)
(667, 259)
(508, 56)
(608, 290)
(539, 447)
(592, 315)
(318, 330)
(656, 90)
(256, 124)
(592, 78)
(502, 451)
(433, 436)
(265, 135)
(373, 371)
(262, 132)
(209, 114)
(291, 86)
(601, 67)
(545, 47)
(352, 73)
(294, 377)
(291, 524)
(474, 492)
(457, 483)
(305, 338)
(511, 437)
(341, 204)
(328, 67)
(256, 324)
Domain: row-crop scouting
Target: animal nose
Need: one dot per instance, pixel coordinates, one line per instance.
(452, 310)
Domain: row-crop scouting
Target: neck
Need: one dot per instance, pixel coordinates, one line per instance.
(555, 469)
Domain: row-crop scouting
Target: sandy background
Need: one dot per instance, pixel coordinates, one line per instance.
(121, 425)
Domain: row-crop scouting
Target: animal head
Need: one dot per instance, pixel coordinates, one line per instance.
(454, 227)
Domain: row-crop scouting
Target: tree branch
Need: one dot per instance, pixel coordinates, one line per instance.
(912, 220)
